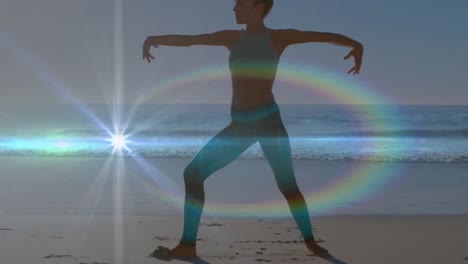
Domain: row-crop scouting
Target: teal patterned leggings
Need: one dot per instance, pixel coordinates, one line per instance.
(264, 125)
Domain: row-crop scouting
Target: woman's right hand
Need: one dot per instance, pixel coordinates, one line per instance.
(146, 50)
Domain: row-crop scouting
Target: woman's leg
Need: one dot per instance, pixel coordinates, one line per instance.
(274, 141)
(221, 150)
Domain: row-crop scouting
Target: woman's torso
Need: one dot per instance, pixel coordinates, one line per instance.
(250, 90)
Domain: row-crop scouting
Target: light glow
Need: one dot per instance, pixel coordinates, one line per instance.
(119, 141)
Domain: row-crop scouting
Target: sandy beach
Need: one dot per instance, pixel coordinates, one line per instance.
(64, 210)
(350, 239)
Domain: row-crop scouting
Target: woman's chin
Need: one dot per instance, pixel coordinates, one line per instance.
(239, 22)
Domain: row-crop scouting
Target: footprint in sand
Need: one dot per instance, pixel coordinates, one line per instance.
(161, 238)
(466, 258)
(274, 241)
(5, 229)
(60, 256)
(212, 224)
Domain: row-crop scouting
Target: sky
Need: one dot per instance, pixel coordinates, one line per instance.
(54, 51)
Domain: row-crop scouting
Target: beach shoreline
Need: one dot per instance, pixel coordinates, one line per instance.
(46, 185)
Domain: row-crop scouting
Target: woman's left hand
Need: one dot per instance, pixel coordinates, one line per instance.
(357, 53)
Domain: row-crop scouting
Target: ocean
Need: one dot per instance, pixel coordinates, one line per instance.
(348, 159)
(381, 133)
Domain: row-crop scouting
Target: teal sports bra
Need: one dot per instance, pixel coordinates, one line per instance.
(253, 56)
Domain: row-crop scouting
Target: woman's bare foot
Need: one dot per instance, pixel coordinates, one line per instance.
(180, 251)
(316, 249)
(184, 251)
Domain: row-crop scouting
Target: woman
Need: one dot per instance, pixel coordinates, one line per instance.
(253, 61)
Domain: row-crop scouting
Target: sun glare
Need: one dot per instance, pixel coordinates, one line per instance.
(119, 141)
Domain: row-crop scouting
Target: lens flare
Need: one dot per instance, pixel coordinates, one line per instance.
(361, 181)
(119, 141)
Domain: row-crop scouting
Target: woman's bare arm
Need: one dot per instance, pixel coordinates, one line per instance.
(293, 36)
(219, 38)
